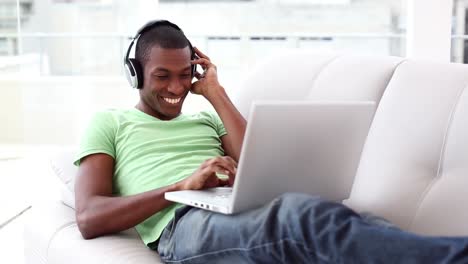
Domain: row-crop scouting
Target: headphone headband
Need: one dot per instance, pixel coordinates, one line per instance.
(133, 68)
(153, 23)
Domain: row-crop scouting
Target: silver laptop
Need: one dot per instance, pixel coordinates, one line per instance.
(290, 146)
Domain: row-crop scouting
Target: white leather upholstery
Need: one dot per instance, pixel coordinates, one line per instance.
(445, 202)
(43, 223)
(287, 76)
(125, 247)
(354, 78)
(403, 159)
(413, 169)
(52, 236)
(61, 164)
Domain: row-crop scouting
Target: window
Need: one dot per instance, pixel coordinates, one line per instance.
(460, 31)
(62, 40)
(259, 28)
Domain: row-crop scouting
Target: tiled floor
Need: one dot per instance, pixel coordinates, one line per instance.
(25, 178)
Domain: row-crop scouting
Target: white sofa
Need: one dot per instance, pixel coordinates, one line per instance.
(413, 169)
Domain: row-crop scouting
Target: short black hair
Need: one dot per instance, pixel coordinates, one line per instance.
(164, 36)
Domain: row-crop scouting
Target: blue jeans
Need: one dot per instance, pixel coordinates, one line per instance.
(297, 228)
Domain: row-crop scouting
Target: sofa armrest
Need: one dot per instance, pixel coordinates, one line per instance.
(52, 236)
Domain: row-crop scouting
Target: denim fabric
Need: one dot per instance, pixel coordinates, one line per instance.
(376, 220)
(297, 228)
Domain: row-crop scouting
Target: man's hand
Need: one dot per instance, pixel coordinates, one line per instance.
(207, 84)
(205, 176)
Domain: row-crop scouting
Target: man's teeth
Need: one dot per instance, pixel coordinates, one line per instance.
(171, 101)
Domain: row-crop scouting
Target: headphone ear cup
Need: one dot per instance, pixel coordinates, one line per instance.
(130, 73)
(138, 76)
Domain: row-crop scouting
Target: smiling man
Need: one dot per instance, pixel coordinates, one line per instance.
(129, 158)
(162, 97)
(166, 84)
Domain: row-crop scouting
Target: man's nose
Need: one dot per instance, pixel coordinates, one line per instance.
(176, 87)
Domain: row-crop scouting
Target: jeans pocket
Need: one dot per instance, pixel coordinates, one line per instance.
(165, 241)
(179, 213)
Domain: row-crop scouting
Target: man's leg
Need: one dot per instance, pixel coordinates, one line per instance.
(297, 228)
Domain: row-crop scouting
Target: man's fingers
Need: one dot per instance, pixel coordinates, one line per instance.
(231, 163)
(222, 182)
(221, 165)
(198, 75)
(225, 169)
(230, 180)
(204, 63)
(200, 54)
(201, 61)
(230, 160)
(221, 168)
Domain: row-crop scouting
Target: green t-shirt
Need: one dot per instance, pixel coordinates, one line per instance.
(150, 153)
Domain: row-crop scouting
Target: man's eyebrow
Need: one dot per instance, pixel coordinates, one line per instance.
(166, 70)
(159, 69)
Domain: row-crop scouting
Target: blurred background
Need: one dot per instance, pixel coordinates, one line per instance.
(61, 60)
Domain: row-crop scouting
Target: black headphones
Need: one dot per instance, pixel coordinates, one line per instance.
(133, 68)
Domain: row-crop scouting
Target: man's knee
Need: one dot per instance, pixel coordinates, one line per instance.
(297, 200)
(304, 204)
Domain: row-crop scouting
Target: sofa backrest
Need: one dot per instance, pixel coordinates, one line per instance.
(304, 75)
(414, 165)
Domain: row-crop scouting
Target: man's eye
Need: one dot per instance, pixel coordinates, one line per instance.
(161, 77)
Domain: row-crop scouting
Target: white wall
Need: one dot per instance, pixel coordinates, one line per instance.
(55, 110)
(11, 113)
(429, 29)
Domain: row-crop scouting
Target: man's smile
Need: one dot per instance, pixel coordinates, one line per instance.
(172, 101)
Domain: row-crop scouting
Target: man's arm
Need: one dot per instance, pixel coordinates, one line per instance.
(98, 212)
(208, 86)
(233, 122)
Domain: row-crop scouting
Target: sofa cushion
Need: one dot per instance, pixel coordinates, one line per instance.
(43, 221)
(52, 236)
(61, 163)
(444, 204)
(354, 78)
(311, 76)
(411, 165)
(124, 247)
(287, 76)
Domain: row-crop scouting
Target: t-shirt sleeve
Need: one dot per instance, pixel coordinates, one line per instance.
(219, 126)
(99, 136)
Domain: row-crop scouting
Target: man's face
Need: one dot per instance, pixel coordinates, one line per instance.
(167, 81)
